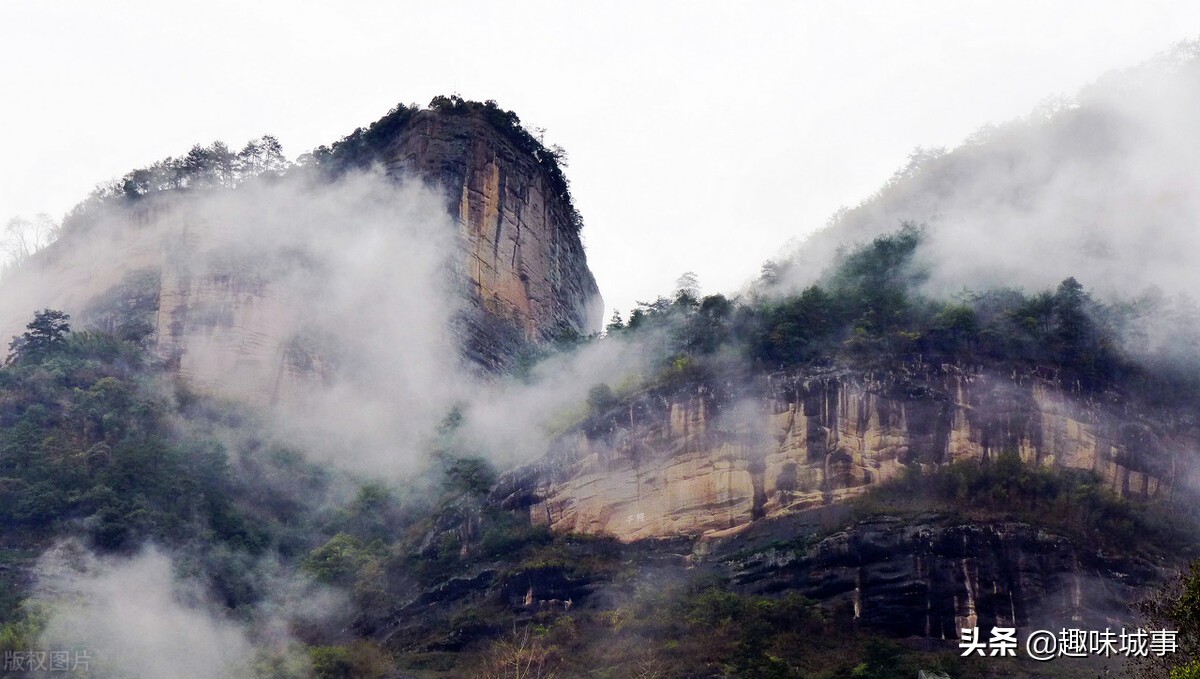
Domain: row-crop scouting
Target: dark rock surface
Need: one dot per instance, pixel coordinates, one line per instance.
(930, 576)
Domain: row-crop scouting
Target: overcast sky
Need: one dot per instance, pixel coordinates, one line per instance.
(702, 135)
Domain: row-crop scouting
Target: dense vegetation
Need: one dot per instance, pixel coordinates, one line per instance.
(1072, 502)
(83, 444)
(89, 447)
(95, 444)
(202, 167)
(869, 311)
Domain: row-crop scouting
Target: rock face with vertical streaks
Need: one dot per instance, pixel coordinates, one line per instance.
(933, 576)
(521, 248)
(708, 464)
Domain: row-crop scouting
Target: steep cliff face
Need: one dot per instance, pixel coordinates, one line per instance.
(707, 465)
(225, 312)
(521, 246)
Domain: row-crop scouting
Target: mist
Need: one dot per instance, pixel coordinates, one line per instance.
(323, 312)
(328, 305)
(143, 616)
(513, 420)
(1096, 187)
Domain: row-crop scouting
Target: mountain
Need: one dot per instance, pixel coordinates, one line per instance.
(182, 271)
(351, 417)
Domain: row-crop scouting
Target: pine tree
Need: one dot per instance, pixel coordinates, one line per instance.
(45, 335)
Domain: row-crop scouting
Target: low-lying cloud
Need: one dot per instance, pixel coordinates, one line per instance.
(1100, 187)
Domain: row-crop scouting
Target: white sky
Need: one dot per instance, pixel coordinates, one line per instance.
(702, 135)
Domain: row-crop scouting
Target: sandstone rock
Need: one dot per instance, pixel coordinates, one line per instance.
(522, 251)
(690, 467)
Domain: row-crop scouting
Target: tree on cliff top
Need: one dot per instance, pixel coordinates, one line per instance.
(45, 335)
(551, 159)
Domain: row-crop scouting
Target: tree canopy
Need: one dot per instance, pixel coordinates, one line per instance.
(44, 335)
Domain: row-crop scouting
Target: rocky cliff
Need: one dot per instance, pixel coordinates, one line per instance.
(711, 463)
(521, 247)
(932, 576)
(225, 312)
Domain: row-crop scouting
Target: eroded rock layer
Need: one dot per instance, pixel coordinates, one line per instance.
(522, 251)
(707, 464)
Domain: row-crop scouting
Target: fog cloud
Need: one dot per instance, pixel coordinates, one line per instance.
(132, 618)
(329, 305)
(1097, 187)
